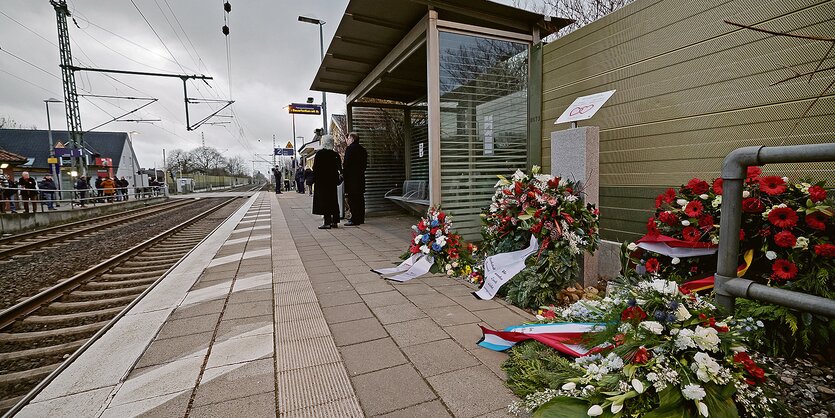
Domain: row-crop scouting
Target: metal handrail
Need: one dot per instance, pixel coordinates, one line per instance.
(734, 171)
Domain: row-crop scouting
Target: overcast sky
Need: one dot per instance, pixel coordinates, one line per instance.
(274, 58)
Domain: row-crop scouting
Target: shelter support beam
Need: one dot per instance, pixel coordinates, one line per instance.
(433, 82)
(734, 170)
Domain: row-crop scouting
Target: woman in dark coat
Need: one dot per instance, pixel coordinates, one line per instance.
(326, 167)
(308, 180)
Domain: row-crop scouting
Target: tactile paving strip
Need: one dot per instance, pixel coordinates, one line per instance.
(314, 386)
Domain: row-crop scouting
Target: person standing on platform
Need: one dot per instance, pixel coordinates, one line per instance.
(326, 167)
(277, 175)
(81, 186)
(356, 162)
(300, 179)
(7, 192)
(123, 186)
(28, 192)
(48, 188)
(108, 189)
(308, 180)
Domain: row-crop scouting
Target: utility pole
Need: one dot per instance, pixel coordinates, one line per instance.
(68, 79)
(273, 150)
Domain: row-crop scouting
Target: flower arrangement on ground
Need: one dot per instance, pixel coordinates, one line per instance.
(433, 236)
(554, 211)
(658, 353)
(787, 234)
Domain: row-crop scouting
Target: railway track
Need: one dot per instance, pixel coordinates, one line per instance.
(39, 335)
(29, 243)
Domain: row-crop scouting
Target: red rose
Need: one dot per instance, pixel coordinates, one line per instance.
(765, 232)
(817, 220)
(414, 249)
(633, 312)
(785, 239)
(554, 183)
(697, 186)
(517, 187)
(706, 221)
(441, 216)
(567, 218)
(817, 193)
(668, 218)
(434, 230)
(741, 234)
(772, 185)
(694, 208)
(753, 173)
(691, 234)
(536, 228)
(652, 229)
(743, 358)
(652, 265)
(717, 186)
(550, 314)
(783, 217)
(641, 356)
(784, 269)
(752, 205)
(619, 339)
(825, 250)
(668, 196)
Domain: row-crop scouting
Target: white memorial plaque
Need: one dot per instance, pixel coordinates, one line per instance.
(584, 107)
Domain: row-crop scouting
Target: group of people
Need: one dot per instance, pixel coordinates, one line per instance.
(303, 178)
(329, 171)
(108, 189)
(26, 191)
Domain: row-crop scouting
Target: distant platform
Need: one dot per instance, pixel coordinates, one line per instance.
(204, 195)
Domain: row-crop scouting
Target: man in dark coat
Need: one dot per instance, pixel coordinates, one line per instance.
(308, 180)
(356, 161)
(300, 179)
(82, 186)
(326, 167)
(277, 175)
(48, 188)
(28, 192)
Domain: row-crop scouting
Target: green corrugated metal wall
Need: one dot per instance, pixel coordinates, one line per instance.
(690, 88)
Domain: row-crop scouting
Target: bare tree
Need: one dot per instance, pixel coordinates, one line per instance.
(582, 12)
(180, 161)
(235, 166)
(207, 159)
(7, 122)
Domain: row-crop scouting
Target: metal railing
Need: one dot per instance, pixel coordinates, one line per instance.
(12, 200)
(727, 285)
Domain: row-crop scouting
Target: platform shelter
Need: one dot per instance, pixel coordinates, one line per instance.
(440, 92)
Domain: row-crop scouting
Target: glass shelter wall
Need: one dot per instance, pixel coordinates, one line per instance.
(484, 121)
(382, 134)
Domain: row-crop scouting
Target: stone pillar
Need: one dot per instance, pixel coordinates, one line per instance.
(575, 155)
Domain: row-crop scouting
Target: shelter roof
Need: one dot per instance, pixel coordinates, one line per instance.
(10, 157)
(33, 144)
(370, 29)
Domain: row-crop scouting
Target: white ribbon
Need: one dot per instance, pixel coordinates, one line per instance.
(500, 268)
(405, 265)
(419, 268)
(680, 252)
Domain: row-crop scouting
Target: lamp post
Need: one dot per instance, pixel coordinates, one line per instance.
(322, 49)
(51, 146)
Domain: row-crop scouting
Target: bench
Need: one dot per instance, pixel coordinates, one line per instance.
(413, 196)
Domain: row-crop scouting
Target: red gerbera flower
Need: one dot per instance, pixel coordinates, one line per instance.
(717, 186)
(652, 265)
(772, 185)
(785, 239)
(784, 269)
(697, 186)
(752, 205)
(633, 312)
(706, 221)
(691, 234)
(783, 217)
(753, 173)
(817, 193)
(668, 218)
(816, 220)
(694, 208)
(642, 356)
(825, 250)
(652, 229)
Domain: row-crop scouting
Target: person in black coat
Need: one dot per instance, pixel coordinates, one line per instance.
(326, 167)
(82, 186)
(308, 180)
(356, 161)
(299, 179)
(277, 175)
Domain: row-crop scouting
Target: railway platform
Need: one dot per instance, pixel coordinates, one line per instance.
(270, 316)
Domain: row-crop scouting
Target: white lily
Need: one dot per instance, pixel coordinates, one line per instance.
(595, 410)
(639, 387)
(569, 386)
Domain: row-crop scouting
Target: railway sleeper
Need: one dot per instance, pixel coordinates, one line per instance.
(83, 293)
(22, 337)
(160, 256)
(139, 261)
(7, 404)
(48, 351)
(134, 269)
(91, 304)
(140, 275)
(115, 284)
(58, 318)
(27, 375)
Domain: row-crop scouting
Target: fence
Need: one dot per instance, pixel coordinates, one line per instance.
(12, 199)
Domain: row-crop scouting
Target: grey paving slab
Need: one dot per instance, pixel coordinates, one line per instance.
(247, 347)
(500, 318)
(230, 328)
(305, 353)
(440, 356)
(345, 313)
(471, 303)
(155, 381)
(339, 298)
(455, 389)
(368, 276)
(188, 326)
(235, 381)
(260, 405)
(244, 310)
(451, 315)
(391, 314)
(374, 300)
(171, 349)
(391, 389)
(432, 300)
(213, 306)
(85, 403)
(250, 296)
(340, 285)
(376, 286)
(409, 289)
(415, 332)
(434, 409)
(371, 356)
(358, 331)
(169, 405)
